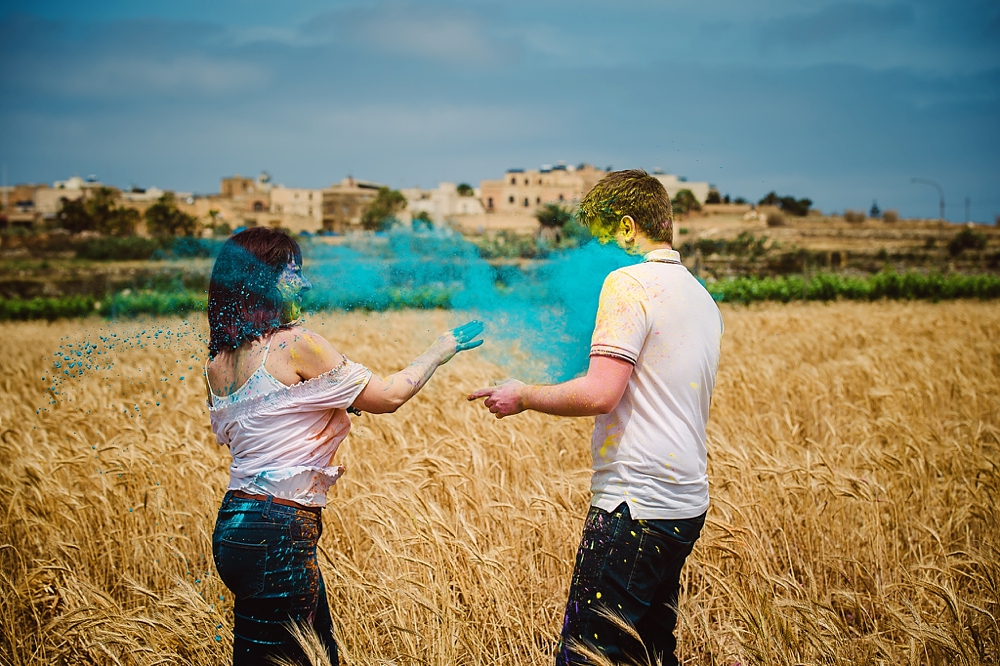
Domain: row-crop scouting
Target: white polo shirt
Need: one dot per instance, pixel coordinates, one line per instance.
(650, 450)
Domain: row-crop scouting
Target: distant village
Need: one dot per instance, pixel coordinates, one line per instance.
(508, 203)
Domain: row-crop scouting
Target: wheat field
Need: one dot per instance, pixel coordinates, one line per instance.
(854, 453)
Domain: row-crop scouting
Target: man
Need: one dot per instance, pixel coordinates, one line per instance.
(653, 360)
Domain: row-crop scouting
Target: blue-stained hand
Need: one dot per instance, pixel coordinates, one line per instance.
(458, 339)
(465, 334)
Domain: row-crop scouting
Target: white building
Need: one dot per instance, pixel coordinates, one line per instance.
(298, 202)
(148, 195)
(443, 203)
(48, 201)
(674, 184)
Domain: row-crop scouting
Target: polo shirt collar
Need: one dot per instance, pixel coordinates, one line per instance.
(671, 256)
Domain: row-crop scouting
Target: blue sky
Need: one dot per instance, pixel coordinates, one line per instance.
(843, 102)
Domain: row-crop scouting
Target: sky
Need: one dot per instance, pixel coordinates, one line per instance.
(841, 102)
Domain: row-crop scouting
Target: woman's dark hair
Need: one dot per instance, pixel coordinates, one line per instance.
(243, 299)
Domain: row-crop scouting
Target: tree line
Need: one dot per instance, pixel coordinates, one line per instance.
(103, 214)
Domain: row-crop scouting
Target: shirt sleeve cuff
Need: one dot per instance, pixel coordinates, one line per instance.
(613, 352)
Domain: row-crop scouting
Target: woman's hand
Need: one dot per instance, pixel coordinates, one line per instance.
(504, 399)
(457, 339)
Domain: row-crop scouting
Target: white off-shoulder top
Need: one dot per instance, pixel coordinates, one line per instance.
(269, 427)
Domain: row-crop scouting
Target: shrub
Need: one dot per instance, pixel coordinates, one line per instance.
(380, 214)
(17, 309)
(684, 202)
(553, 215)
(790, 205)
(110, 248)
(890, 216)
(421, 221)
(127, 304)
(163, 218)
(966, 239)
(775, 219)
(509, 245)
(709, 246)
(573, 234)
(746, 244)
(186, 247)
(828, 287)
(854, 217)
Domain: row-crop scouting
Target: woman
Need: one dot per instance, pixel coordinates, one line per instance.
(278, 396)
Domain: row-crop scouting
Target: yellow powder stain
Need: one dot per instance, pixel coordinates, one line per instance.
(695, 386)
(608, 441)
(313, 345)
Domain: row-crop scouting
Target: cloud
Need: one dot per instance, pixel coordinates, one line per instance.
(837, 21)
(123, 77)
(181, 75)
(404, 92)
(438, 33)
(242, 35)
(125, 59)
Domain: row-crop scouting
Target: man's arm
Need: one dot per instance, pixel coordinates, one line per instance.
(597, 392)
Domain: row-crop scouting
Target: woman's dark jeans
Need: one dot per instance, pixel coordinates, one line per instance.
(266, 555)
(631, 568)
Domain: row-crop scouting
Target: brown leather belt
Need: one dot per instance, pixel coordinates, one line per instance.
(278, 500)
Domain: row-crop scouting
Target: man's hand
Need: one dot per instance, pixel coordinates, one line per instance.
(597, 392)
(504, 399)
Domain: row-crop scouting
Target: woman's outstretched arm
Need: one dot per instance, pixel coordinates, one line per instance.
(387, 395)
(311, 355)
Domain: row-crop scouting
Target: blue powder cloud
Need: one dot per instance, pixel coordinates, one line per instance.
(539, 317)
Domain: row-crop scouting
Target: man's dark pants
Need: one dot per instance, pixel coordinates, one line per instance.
(631, 568)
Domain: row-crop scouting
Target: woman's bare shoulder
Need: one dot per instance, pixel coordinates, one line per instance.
(309, 353)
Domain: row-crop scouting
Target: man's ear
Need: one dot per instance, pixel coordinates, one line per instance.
(628, 227)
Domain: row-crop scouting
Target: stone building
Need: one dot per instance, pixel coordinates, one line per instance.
(241, 202)
(523, 191)
(343, 204)
(299, 209)
(236, 186)
(442, 204)
(674, 184)
(48, 200)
